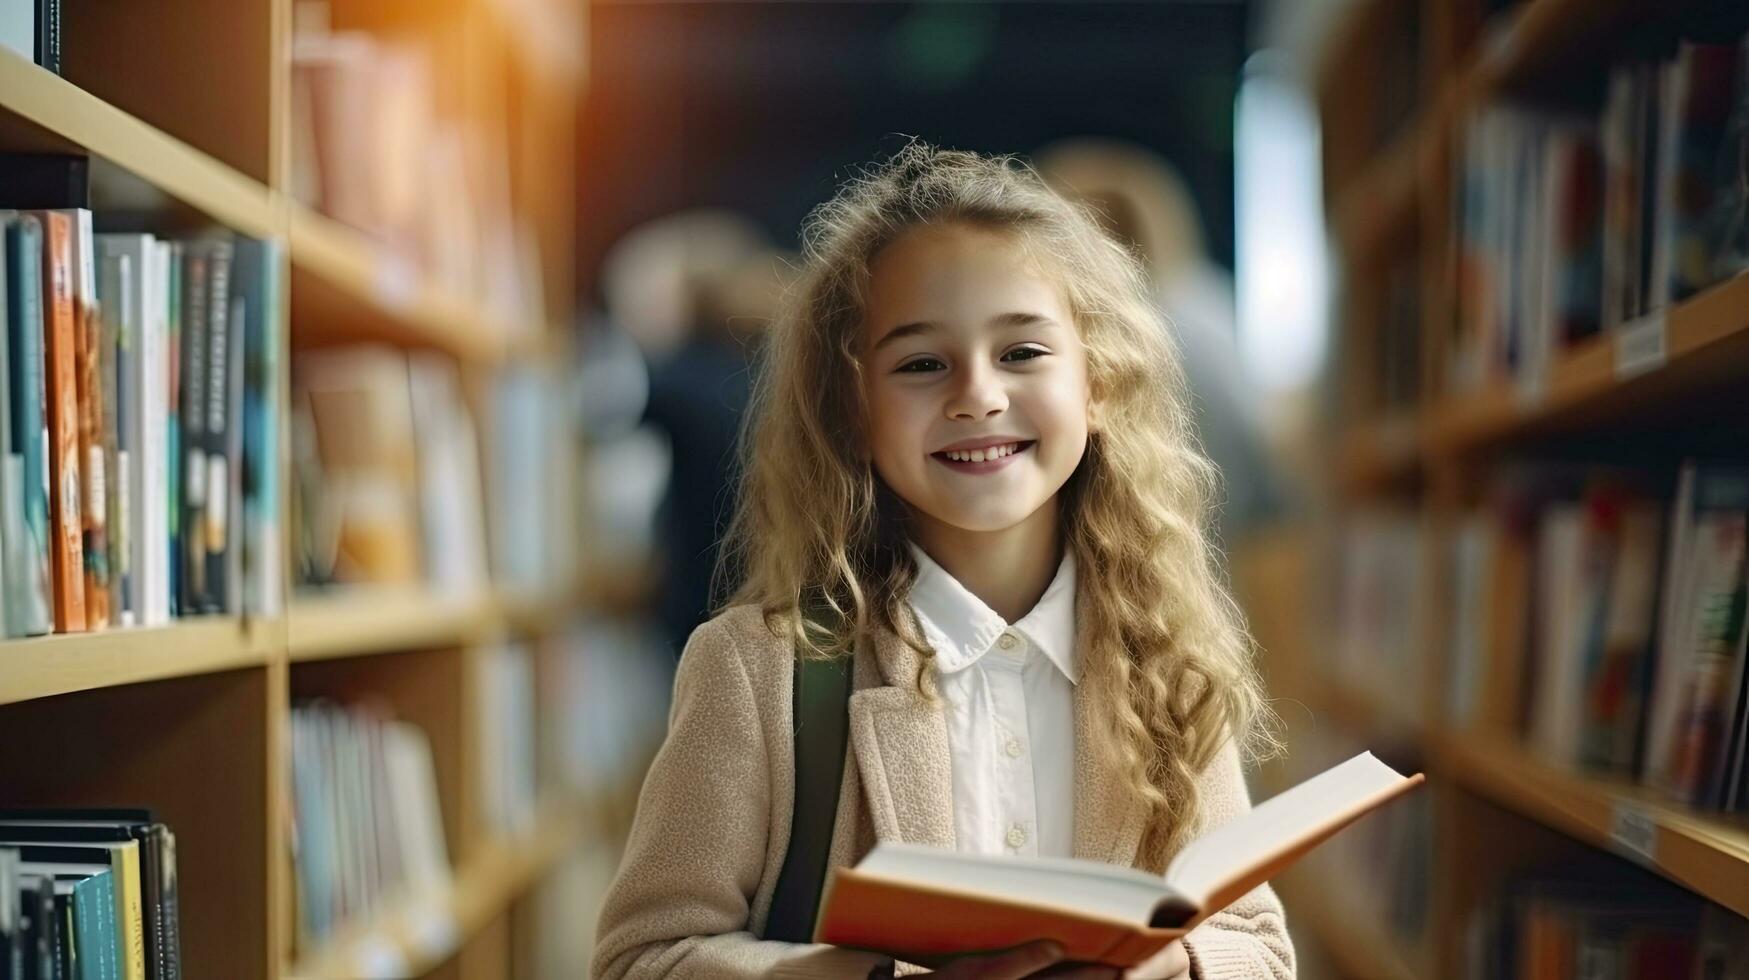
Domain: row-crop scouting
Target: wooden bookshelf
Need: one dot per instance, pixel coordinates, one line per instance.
(418, 934)
(191, 718)
(359, 620)
(66, 663)
(1705, 341)
(345, 289)
(1706, 853)
(43, 113)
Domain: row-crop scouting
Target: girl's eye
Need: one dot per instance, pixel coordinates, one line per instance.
(1024, 354)
(920, 365)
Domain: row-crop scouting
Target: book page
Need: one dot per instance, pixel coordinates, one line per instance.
(1085, 887)
(1232, 859)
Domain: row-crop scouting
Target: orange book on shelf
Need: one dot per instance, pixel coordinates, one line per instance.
(926, 905)
(61, 401)
(93, 482)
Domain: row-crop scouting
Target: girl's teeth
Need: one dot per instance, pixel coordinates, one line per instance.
(980, 455)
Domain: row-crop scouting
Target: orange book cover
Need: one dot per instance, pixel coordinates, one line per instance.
(61, 401)
(927, 905)
(94, 510)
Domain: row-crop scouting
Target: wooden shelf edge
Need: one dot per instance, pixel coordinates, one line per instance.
(65, 663)
(349, 621)
(1585, 376)
(420, 934)
(73, 115)
(410, 308)
(1706, 853)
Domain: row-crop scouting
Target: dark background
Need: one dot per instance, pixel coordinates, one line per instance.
(766, 107)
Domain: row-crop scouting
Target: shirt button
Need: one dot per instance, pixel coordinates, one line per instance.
(1017, 836)
(1007, 641)
(1014, 748)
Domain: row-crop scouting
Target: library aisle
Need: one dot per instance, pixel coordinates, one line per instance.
(1518, 564)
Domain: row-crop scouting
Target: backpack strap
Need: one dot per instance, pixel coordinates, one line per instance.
(822, 731)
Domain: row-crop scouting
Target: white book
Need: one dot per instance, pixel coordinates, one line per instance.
(923, 904)
(145, 487)
(18, 27)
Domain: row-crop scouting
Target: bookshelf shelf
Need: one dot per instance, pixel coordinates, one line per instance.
(364, 620)
(1705, 852)
(1380, 453)
(1700, 851)
(344, 288)
(42, 112)
(1706, 340)
(414, 938)
(46, 666)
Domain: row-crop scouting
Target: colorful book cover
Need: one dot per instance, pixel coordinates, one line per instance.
(93, 471)
(258, 282)
(172, 502)
(61, 397)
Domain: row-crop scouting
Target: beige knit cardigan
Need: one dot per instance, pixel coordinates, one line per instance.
(694, 887)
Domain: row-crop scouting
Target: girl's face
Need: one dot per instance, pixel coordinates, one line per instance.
(976, 379)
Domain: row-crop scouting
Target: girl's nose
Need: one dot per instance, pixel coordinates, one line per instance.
(979, 395)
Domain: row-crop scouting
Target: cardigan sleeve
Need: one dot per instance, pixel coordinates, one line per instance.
(681, 902)
(1248, 940)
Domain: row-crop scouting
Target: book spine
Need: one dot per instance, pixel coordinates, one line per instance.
(132, 932)
(194, 328)
(116, 302)
(48, 39)
(222, 323)
(93, 485)
(171, 906)
(172, 503)
(154, 420)
(60, 383)
(262, 562)
(28, 515)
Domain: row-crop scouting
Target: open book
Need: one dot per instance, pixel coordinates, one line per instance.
(926, 904)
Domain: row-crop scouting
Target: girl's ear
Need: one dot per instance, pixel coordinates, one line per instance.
(1095, 415)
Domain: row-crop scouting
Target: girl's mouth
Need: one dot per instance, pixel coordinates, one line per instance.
(988, 459)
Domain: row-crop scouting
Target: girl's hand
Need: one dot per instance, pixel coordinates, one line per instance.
(1013, 964)
(1170, 963)
(1044, 959)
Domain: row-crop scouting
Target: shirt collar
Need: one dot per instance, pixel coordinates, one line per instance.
(961, 628)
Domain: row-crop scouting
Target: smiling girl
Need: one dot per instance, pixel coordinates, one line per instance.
(969, 471)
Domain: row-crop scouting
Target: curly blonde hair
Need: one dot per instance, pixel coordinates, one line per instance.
(816, 529)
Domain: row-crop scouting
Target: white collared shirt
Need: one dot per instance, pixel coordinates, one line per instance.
(1009, 693)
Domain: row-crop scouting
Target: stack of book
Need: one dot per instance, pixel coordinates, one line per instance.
(138, 425)
(367, 831)
(1567, 224)
(388, 475)
(1606, 626)
(88, 895)
(1600, 921)
(370, 148)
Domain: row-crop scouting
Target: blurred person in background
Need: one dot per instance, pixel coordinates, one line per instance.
(694, 290)
(1143, 202)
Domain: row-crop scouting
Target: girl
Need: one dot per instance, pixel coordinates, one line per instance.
(970, 448)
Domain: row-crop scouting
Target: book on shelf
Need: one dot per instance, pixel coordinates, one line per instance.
(506, 738)
(924, 904)
(1568, 223)
(60, 383)
(32, 28)
(25, 529)
(94, 371)
(141, 854)
(367, 827)
(1620, 638)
